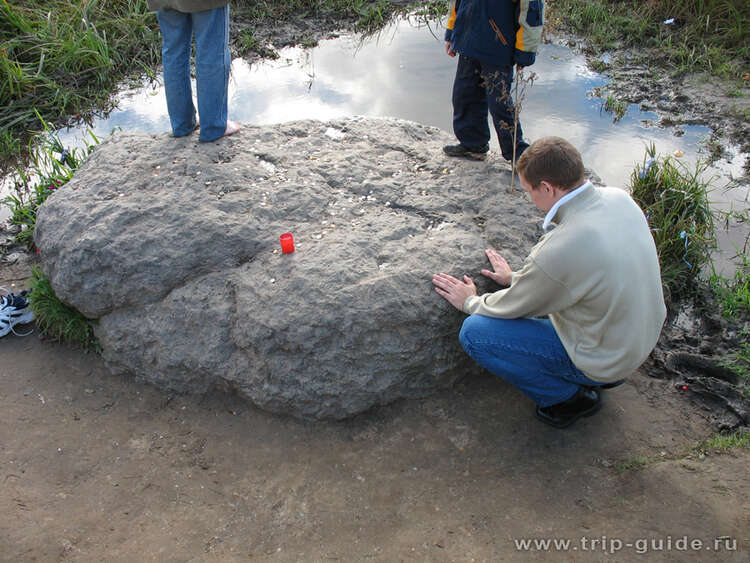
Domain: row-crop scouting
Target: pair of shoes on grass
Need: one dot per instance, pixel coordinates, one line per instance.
(14, 310)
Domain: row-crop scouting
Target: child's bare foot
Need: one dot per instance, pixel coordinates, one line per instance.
(232, 128)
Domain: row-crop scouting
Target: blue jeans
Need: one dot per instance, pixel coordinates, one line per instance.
(212, 62)
(480, 86)
(526, 353)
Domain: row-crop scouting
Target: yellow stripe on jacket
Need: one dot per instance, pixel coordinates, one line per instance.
(452, 18)
(519, 39)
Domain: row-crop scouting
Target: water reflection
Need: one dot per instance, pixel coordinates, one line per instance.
(405, 73)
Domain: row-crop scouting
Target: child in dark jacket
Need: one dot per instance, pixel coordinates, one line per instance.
(490, 36)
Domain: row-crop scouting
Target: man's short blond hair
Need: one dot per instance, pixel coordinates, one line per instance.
(554, 160)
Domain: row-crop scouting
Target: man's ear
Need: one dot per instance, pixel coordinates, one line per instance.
(546, 186)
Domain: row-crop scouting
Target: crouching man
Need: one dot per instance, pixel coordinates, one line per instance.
(594, 278)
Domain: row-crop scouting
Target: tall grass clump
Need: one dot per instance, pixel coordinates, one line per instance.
(50, 166)
(57, 320)
(60, 58)
(675, 201)
(692, 35)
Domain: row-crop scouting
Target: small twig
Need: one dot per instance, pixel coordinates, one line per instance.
(515, 98)
(519, 77)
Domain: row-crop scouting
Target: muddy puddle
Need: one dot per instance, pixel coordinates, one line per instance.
(405, 73)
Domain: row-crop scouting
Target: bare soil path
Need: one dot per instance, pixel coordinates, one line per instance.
(99, 468)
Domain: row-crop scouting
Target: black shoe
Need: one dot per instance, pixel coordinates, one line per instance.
(611, 385)
(466, 152)
(585, 402)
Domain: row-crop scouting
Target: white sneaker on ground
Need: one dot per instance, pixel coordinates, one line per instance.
(14, 310)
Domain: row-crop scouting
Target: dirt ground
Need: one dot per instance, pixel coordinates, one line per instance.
(101, 468)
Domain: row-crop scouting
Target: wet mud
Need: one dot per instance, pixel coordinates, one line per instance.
(678, 100)
(691, 356)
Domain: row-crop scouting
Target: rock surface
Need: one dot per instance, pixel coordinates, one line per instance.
(174, 247)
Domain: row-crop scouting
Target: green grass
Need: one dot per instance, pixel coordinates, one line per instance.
(634, 463)
(725, 442)
(59, 59)
(707, 35)
(598, 65)
(733, 294)
(57, 320)
(733, 297)
(675, 201)
(248, 41)
(719, 443)
(714, 148)
(739, 363)
(618, 108)
(50, 167)
(9, 143)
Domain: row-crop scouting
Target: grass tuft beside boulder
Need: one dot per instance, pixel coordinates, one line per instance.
(675, 201)
(50, 167)
(57, 320)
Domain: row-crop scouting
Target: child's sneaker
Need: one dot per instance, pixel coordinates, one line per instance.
(14, 310)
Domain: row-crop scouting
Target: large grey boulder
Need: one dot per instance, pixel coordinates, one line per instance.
(174, 247)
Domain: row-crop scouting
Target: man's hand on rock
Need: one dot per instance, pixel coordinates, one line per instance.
(501, 270)
(454, 290)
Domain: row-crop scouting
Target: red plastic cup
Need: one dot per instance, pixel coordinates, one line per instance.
(287, 243)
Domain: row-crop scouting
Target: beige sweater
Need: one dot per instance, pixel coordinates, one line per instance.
(187, 6)
(597, 277)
